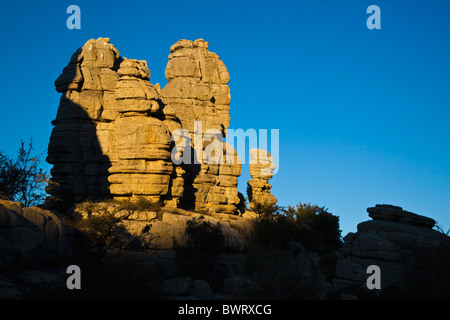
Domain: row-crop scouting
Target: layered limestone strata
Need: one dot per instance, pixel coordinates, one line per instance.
(197, 87)
(261, 170)
(87, 84)
(197, 94)
(116, 135)
(143, 167)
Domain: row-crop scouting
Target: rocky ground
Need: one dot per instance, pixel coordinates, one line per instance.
(153, 251)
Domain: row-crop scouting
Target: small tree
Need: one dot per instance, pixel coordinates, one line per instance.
(316, 228)
(22, 180)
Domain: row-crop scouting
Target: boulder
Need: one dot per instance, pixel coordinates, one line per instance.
(30, 236)
(391, 241)
(397, 214)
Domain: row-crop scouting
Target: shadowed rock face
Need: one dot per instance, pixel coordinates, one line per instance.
(391, 241)
(114, 130)
(198, 96)
(30, 236)
(80, 162)
(397, 214)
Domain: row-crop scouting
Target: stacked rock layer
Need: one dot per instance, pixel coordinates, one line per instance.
(88, 83)
(261, 170)
(197, 95)
(143, 167)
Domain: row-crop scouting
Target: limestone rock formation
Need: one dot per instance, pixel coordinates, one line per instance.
(198, 96)
(261, 170)
(223, 195)
(142, 167)
(80, 164)
(391, 241)
(118, 136)
(197, 87)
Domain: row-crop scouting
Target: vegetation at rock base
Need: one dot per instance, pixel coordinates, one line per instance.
(21, 179)
(316, 228)
(310, 225)
(203, 235)
(280, 238)
(95, 230)
(198, 259)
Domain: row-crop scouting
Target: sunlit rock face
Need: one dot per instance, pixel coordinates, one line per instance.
(197, 94)
(116, 135)
(80, 162)
(142, 166)
(261, 170)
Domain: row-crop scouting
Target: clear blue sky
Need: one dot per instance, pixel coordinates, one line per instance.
(363, 114)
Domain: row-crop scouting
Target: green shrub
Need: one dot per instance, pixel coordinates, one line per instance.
(310, 225)
(273, 259)
(95, 229)
(198, 259)
(316, 229)
(203, 235)
(266, 213)
(273, 231)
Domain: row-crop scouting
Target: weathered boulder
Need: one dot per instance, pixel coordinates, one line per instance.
(391, 241)
(397, 214)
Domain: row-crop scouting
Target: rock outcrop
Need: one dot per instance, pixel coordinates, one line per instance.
(118, 136)
(261, 170)
(32, 243)
(80, 163)
(30, 235)
(391, 241)
(197, 95)
(197, 88)
(142, 166)
(163, 229)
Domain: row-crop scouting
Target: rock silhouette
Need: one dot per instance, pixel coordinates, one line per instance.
(391, 241)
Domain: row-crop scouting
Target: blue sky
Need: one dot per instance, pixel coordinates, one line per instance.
(363, 114)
